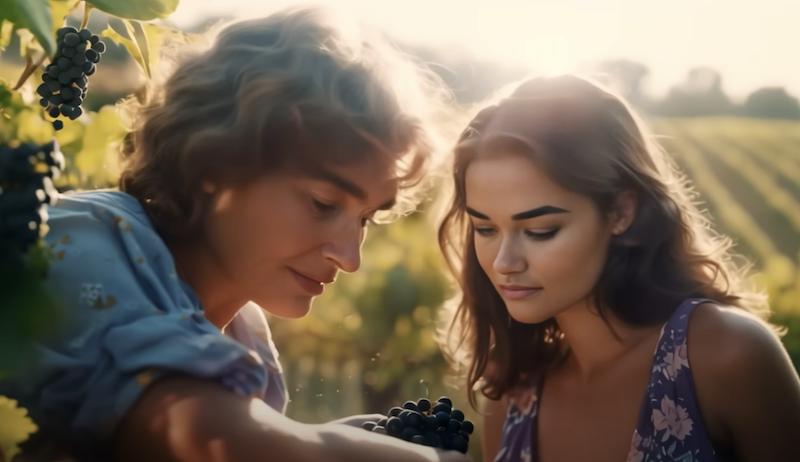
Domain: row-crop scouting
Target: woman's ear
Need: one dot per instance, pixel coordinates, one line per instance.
(624, 211)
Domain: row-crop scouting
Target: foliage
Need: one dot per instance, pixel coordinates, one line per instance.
(15, 427)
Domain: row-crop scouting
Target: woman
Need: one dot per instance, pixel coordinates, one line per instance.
(580, 253)
(252, 175)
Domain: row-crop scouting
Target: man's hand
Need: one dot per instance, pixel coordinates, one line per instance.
(357, 420)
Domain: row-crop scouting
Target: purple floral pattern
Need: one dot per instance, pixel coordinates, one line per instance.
(669, 428)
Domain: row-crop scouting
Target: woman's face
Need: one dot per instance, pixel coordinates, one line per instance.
(282, 238)
(542, 246)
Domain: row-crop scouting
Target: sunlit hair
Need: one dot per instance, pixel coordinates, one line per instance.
(301, 88)
(590, 142)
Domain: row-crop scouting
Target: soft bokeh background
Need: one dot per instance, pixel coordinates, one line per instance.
(718, 79)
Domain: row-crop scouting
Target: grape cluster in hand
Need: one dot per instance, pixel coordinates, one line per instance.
(422, 422)
(27, 172)
(65, 79)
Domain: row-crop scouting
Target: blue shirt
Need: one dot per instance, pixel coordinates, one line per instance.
(129, 320)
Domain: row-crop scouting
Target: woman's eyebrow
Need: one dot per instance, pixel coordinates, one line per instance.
(528, 214)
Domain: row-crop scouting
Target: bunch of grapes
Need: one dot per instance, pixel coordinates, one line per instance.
(422, 422)
(27, 172)
(65, 79)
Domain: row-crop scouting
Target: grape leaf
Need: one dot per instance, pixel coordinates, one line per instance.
(137, 32)
(15, 427)
(143, 10)
(5, 34)
(33, 15)
(60, 10)
(129, 45)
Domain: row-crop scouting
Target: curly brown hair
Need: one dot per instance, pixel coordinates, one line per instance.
(588, 141)
(299, 87)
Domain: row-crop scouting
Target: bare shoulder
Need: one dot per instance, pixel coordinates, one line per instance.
(747, 389)
(730, 342)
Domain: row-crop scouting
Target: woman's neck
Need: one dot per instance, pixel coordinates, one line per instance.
(218, 294)
(593, 346)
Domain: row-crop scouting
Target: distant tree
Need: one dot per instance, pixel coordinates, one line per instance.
(700, 95)
(771, 103)
(626, 77)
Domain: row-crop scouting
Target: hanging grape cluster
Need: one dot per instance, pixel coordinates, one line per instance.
(422, 422)
(27, 172)
(65, 80)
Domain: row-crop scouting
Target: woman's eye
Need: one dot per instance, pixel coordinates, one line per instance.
(484, 231)
(323, 207)
(541, 236)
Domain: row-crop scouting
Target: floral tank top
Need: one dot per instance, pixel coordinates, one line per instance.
(669, 427)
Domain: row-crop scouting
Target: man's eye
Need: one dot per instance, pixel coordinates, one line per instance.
(323, 207)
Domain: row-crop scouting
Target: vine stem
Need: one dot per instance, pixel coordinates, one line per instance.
(87, 10)
(30, 66)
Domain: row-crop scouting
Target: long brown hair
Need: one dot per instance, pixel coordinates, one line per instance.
(588, 141)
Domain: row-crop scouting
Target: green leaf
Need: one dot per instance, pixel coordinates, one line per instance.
(143, 10)
(101, 140)
(136, 30)
(5, 34)
(60, 10)
(33, 15)
(129, 45)
(15, 427)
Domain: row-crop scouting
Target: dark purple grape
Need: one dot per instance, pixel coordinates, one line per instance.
(379, 429)
(54, 86)
(441, 407)
(94, 39)
(46, 78)
(453, 426)
(410, 405)
(53, 112)
(460, 444)
(75, 72)
(99, 47)
(43, 90)
(53, 71)
(91, 70)
(67, 110)
(72, 39)
(81, 82)
(61, 33)
(79, 59)
(55, 99)
(395, 411)
(442, 417)
(76, 113)
(43, 102)
(446, 400)
(433, 439)
(64, 63)
(68, 52)
(87, 66)
(85, 34)
(431, 422)
(467, 426)
(75, 101)
(92, 55)
(395, 426)
(368, 426)
(382, 422)
(64, 78)
(464, 435)
(58, 125)
(409, 433)
(456, 414)
(419, 439)
(424, 405)
(67, 93)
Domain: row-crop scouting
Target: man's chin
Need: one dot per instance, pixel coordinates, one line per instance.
(295, 308)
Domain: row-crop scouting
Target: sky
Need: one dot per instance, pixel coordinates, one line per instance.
(753, 43)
